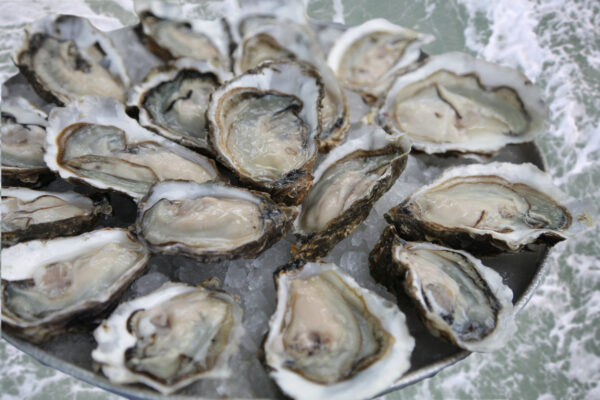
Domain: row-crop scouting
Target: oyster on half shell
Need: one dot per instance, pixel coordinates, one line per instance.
(46, 284)
(264, 126)
(458, 298)
(485, 209)
(458, 103)
(65, 57)
(210, 221)
(348, 182)
(170, 337)
(329, 338)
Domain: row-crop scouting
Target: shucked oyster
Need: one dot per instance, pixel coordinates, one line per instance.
(485, 209)
(273, 31)
(173, 100)
(170, 33)
(47, 284)
(366, 57)
(264, 126)
(30, 214)
(458, 298)
(23, 136)
(455, 102)
(332, 339)
(65, 57)
(347, 184)
(92, 139)
(170, 337)
(210, 221)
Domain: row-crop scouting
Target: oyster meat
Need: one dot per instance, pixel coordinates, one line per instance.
(93, 140)
(348, 182)
(170, 337)
(65, 57)
(30, 214)
(23, 136)
(458, 298)
(485, 209)
(264, 126)
(47, 284)
(173, 100)
(329, 338)
(210, 221)
(455, 102)
(366, 57)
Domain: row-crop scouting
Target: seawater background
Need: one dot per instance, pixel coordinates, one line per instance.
(556, 352)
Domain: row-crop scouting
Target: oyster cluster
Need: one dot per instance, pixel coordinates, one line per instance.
(239, 134)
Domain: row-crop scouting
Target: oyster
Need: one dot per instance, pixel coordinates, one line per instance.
(48, 284)
(210, 221)
(65, 57)
(29, 214)
(23, 136)
(485, 209)
(348, 182)
(264, 126)
(455, 102)
(170, 337)
(173, 100)
(271, 33)
(366, 57)
(458, 298)
(332, 339)
(93, 140)
(171, 33)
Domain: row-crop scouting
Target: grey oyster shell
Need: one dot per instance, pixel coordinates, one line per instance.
(211, 221)
(458, 298)
(31, 214)
(347, 184)
(485, 209)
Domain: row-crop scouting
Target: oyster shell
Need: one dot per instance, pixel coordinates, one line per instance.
(65, 57)
(347, 184)
(264, 126)
(30, 214)
(366, 57)
(455, 102)
(23, 133)
(48, 284)
(485, 209)
(171, 33)
(173, 100)
(170, 337)
(93, 140)
(329, 338)
(210, 221)
(280, 32)
(458, 298)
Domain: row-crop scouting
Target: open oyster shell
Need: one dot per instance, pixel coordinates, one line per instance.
(347, 184)
(31, 214)
(23, 133)
(458, 298)
(366, 57)
(210, 221)
(329, 338)
(265, 125)
(171, 33)
(47, 284)
(93, 140)
(173, 100)
(273, 31)
(485, 209)
(458, 103)
(65, 57)
(170, 337)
